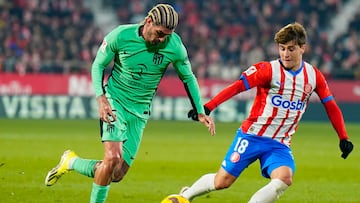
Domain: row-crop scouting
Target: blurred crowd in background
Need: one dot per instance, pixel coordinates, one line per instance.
(222, 37)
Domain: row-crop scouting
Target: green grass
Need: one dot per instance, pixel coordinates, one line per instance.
(172, 154)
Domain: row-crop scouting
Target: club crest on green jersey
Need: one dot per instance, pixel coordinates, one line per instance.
(158, 58)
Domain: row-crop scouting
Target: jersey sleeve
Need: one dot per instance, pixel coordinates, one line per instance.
(332, 109)
(182, 66)
(105, 54)
(224, 95)
(256, 75)
(322, 89)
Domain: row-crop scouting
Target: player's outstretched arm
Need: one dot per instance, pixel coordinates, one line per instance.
(335, 115)
(193, 114)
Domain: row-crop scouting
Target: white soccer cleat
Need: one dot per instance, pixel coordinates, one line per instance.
(183, 189)
(63, 167)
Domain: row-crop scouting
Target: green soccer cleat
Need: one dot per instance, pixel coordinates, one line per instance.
(62, 168)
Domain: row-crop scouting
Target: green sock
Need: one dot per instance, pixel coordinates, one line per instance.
(84, 166)
(99, 193)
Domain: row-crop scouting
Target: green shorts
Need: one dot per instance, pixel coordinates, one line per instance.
(128, 129)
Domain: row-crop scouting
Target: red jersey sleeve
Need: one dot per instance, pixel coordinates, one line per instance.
(255, 75)
(258, 74)
(332, 109)
(322, 89)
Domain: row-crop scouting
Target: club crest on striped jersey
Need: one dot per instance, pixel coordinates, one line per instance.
(250, 70)
(308, 88)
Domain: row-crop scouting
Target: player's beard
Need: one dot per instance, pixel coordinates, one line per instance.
(155, 42)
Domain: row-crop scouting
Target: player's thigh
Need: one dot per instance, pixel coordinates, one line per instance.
(239, 155)
(135, 130)
(115, 131)
(278, 156)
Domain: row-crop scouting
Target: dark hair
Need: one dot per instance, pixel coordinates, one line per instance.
(164, 15)
(291, 32)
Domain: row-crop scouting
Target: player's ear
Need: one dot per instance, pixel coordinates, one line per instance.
(148, 20)
(303, 48)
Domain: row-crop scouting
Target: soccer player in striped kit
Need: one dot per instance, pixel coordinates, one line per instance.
(284, 87)
(141, 53)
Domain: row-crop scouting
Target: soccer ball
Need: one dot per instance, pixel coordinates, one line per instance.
(175, 199)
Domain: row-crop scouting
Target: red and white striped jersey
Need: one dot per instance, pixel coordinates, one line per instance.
(282, 98)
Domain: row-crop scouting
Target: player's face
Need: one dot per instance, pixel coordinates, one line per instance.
(158, 34)
(154, 34)
(291, 55)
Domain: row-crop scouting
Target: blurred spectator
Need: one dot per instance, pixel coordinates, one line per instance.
(48, 36)
(222, 37)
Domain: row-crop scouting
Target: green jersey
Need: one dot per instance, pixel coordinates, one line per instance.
(139, 67)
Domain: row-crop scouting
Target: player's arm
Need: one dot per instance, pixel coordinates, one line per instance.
(225, 94)
(183, 69)
(103, 57)
(334, 113)
(256, 75)
(221, 97)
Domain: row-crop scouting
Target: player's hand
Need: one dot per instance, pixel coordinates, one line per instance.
(208, 122)
(105, 111)
(346, 147)
(194, 115)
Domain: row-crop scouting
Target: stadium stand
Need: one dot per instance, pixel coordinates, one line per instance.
(47, 37)
(222, 37)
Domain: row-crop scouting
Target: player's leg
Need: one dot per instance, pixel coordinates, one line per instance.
(112, 135)
(280, 164)
(135, 128)
(64, 166)
(207, 183)
(120, 171)
(238, 157)
(120, 152)
(70, 161)
(104, 172)
(272, 191)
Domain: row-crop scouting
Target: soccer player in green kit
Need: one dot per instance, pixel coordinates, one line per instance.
(141, 53)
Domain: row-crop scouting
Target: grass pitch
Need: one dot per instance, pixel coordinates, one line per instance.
(172, 154)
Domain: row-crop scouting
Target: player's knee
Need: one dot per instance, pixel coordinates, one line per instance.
(220, 186)
(112, 161)
(223, 179)
(117, 178)
(284, 174)
(222, 183)
(120, 172)
(287, 180)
